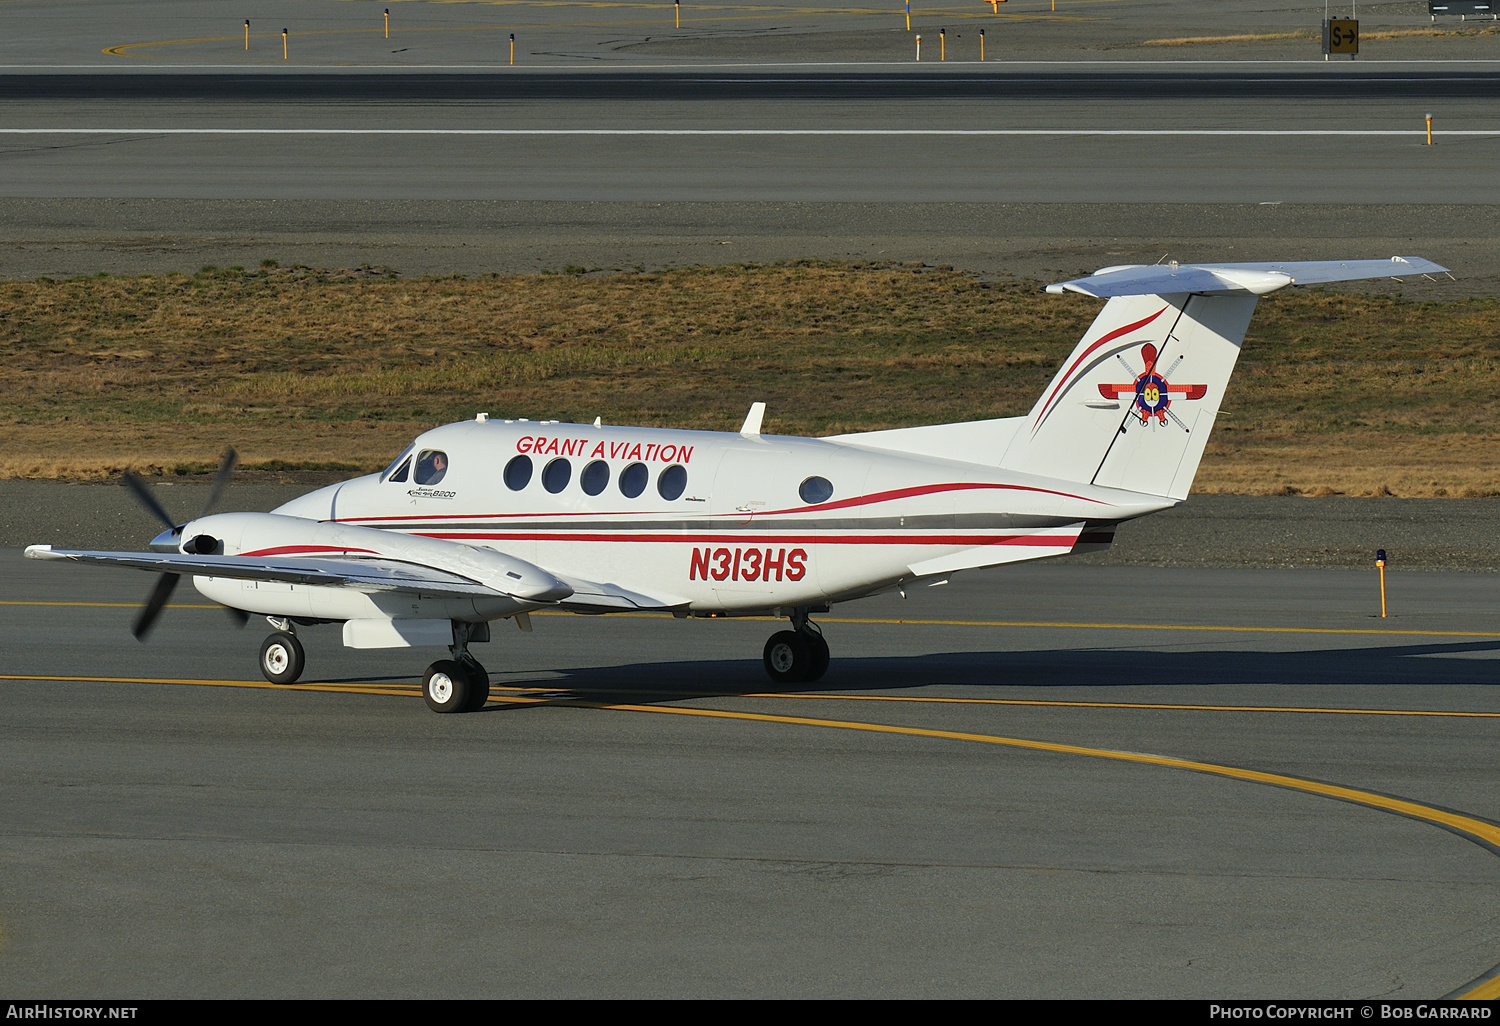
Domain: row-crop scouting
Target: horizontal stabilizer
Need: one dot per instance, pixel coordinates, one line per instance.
(1256, 279)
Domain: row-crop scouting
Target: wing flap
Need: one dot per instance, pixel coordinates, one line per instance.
(597, 597)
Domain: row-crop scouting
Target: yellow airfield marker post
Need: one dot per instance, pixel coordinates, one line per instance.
(942, 44)
(908, 15)
(283, 44)
(513, 48)
(678, 4)
(1429, 129)
(981, 44)
(387, 23)
(1380, 562)
(247, 35)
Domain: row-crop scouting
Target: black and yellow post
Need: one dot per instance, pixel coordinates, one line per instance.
(513, 48)
(942, 44)
(1429, 129)
(283, 44)
(387, 23)
(1380, 562)
(247, 35)
(981, 44)
(678, 4)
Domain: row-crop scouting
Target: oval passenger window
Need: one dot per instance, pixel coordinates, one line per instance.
(815, 490)
(431, 466)
(633, 480)
(594, 478)
(672, 482)
(518, 473)
(556, 475)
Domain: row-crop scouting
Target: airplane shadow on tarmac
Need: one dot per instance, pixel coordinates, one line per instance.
(1424, 664)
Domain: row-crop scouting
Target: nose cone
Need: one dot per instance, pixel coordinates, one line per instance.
(167, 541)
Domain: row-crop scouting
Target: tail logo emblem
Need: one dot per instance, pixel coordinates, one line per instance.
(1152, 394)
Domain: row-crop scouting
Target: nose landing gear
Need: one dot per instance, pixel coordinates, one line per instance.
(798, 655)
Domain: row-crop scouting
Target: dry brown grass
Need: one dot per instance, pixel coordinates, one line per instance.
(302, 369)
(1248, 37)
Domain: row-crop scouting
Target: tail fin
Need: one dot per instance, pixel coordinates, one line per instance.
(1133, 406)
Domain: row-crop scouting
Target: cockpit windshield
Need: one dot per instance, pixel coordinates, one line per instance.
(388, 471)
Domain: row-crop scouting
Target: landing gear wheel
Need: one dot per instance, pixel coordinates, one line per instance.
(282, 658)
(788, 657)
(445, 686)
(819, 648)
(479, 686)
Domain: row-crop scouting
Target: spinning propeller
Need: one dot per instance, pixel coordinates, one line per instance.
(202, 544)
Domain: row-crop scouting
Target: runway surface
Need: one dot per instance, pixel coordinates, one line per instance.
(638, 812)
(150, 139)
(729, 83)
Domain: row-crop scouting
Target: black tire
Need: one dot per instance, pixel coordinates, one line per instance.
(479, 686)
(282, 658)
(818, 646)
(787, 657)
(445, 686)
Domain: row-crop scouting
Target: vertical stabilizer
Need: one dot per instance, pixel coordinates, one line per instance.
(1133, 405)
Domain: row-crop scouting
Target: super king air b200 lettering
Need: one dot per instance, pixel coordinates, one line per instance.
(489, 520)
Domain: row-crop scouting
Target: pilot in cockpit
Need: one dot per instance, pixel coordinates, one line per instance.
(431, 466)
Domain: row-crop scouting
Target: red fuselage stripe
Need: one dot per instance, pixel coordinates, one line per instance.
(750, 541)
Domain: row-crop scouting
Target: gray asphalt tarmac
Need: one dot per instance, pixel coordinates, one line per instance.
(207, 837)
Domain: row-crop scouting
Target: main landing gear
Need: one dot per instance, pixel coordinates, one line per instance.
(459, 684)
(797, 655)
(281, 656)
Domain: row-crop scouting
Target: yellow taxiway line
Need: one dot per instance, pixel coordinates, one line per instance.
(888, 621)
(542, 694)
(1476, 829)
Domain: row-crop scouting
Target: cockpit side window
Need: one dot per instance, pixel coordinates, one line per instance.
(400, 475)
(396, 467)
(431, 466)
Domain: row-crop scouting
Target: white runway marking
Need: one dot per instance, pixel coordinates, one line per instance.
(719, 132)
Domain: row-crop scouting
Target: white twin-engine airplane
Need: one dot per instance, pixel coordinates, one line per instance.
(492, 519)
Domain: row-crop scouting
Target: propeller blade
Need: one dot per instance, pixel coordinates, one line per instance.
(152, 609)
(239, 616)
(221, 480)
(143, 495)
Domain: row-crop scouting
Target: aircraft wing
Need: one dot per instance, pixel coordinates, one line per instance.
(1164, 279)
(369, 575)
